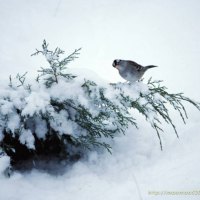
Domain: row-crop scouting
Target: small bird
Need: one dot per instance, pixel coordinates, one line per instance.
(130, 70)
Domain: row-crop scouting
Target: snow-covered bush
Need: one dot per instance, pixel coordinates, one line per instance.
(59, 115)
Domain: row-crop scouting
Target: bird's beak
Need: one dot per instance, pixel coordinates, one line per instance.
(113, 64)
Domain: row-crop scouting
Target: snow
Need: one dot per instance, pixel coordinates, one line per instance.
(41, 127)
(147, 31)
(61, 123)
(36, 102)
(135, 168)
(26, 137)
(13, 122)
(4, 163)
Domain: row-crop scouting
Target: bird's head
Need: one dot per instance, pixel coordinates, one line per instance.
(116, 63)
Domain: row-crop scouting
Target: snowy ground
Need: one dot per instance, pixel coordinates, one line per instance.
(136, 168)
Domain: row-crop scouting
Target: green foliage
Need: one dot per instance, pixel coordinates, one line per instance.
(155, 106)
(56, 66)
(85, 116)
(175, 100)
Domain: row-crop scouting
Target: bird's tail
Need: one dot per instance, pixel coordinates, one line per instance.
(149, 66)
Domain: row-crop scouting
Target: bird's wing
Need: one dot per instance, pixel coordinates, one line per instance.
(137, 66)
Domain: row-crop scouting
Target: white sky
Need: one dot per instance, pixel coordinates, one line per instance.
(163, 33)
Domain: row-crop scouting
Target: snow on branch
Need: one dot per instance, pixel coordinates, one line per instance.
(62, 115)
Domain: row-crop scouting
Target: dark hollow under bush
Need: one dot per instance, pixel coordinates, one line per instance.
(53, 149)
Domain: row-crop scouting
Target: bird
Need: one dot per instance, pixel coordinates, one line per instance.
(130, 70)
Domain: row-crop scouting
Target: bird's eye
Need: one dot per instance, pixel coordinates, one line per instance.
(116, 62)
